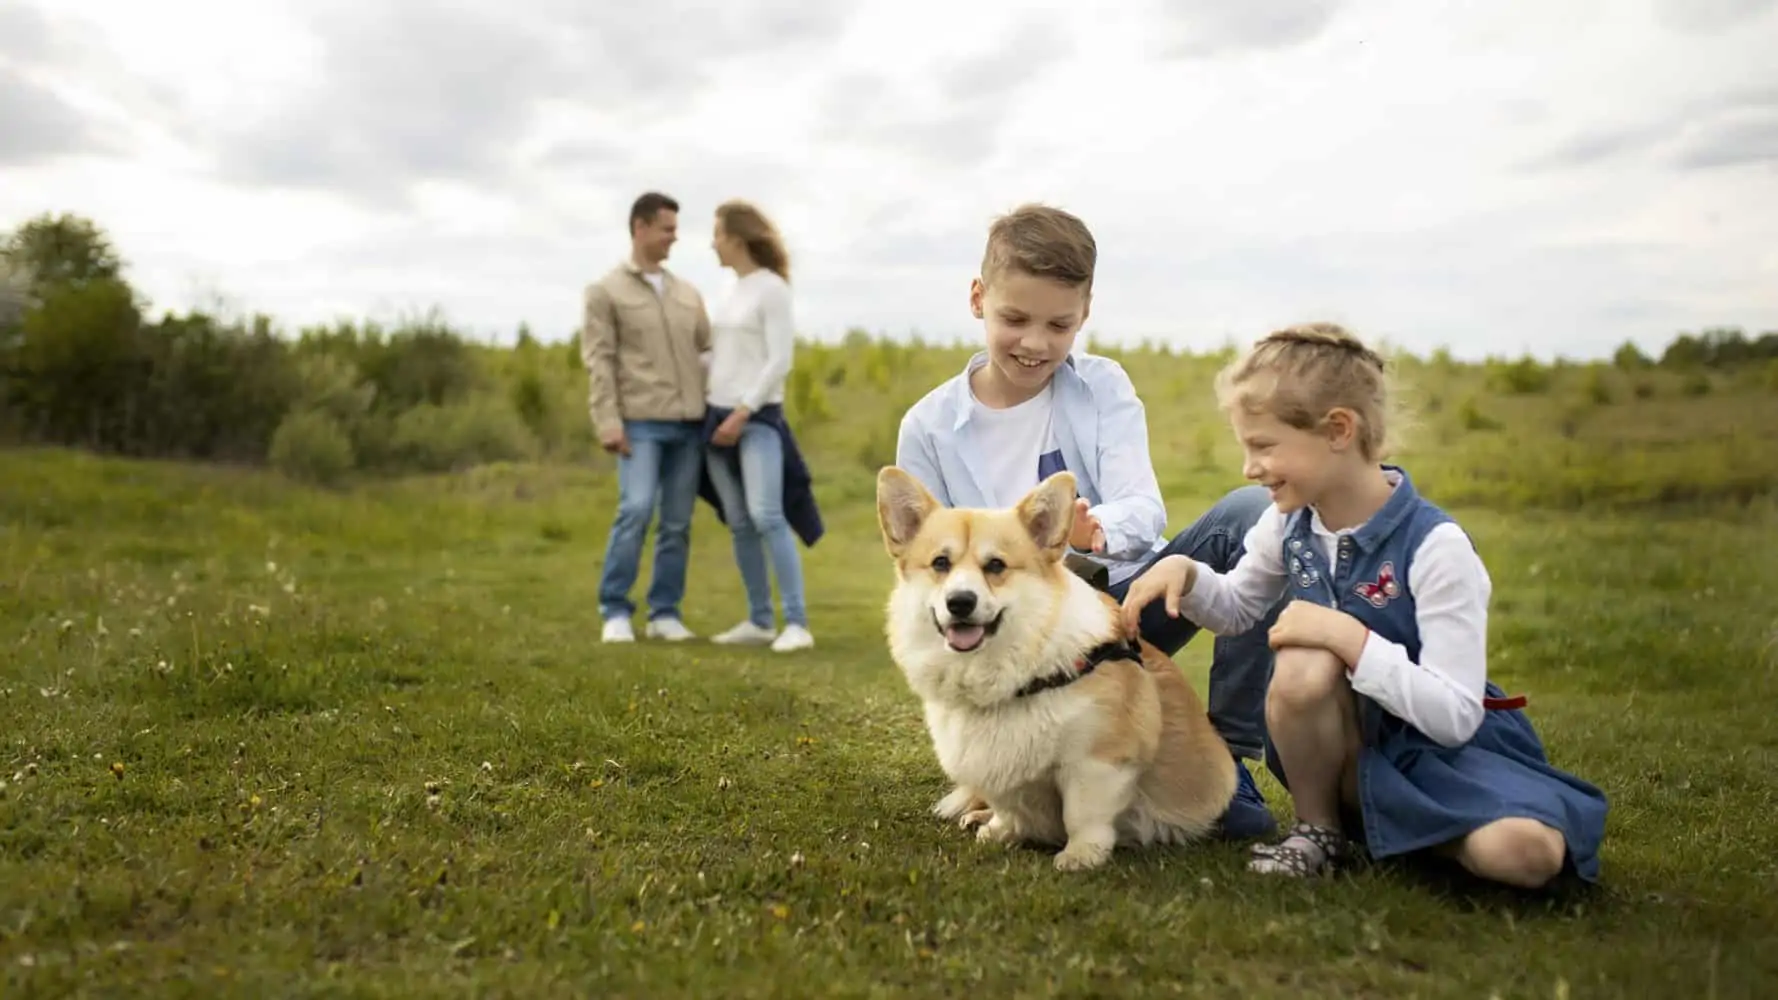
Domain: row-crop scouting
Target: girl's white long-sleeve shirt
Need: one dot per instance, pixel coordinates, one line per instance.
(1441, 694)
(752, 339)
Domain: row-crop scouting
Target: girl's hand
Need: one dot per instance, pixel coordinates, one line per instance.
(1170, 578)
(1311, 626)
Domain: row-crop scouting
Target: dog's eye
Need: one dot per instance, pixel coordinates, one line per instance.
(994, 566)
(942, 564)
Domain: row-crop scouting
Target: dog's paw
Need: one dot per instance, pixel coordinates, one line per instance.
(959, 801)
(975, 818)
(1081, 855)
(995, 831)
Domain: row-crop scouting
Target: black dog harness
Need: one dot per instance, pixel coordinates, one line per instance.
(1121, 649)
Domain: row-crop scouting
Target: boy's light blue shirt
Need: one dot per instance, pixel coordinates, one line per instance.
(1102, 430)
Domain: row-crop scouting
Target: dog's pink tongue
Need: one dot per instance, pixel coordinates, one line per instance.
(964, 637)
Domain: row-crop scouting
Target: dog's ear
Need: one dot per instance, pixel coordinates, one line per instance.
(903, 504)
(1047, 512)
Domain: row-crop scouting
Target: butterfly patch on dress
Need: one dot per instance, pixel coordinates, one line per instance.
(1383, 590)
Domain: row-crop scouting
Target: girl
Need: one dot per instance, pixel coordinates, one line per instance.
(752, 462)
(1381, 719)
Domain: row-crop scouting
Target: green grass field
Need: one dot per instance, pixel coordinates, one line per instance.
(266, 740)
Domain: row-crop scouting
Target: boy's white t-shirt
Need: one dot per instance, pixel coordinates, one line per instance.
(1018, 444)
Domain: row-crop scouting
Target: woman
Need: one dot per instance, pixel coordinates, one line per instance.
(751, 343)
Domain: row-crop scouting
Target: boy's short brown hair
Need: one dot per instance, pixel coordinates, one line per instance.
(1043, 242)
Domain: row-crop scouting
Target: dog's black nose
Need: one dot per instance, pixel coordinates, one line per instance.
(960, 604)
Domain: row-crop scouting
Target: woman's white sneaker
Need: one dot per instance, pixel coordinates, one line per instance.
(794, 637)
(744, 634)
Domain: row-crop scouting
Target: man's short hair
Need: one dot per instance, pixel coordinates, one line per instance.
(1043, 242)
(649, 205)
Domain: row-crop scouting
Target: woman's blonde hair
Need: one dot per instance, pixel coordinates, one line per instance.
(741, 219)
(1301, 373)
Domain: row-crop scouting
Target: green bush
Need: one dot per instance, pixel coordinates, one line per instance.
(1573, 418)
(1598, 389)
(15, 297)
(1522, 377)
(311, 446)
(1204, 442)
(880, 362)
(423, 361)
(76, 367)
(1470, 415)
(483, 428)
(332, 384)
(806, 398)
(1629, 357)
(213, 390)
(530, 400)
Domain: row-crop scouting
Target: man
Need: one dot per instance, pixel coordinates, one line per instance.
(643, 339)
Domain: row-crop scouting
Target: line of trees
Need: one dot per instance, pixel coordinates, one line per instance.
(82, 363)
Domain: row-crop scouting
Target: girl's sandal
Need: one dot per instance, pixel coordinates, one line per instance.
(1306, 850)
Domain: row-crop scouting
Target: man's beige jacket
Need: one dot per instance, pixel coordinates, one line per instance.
(643, 351)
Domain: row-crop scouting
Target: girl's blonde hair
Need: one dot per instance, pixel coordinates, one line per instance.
(766, 248)
(1301, 373)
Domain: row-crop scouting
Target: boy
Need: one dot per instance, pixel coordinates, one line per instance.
(1029, 406)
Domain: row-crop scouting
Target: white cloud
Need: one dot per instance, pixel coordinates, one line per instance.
(1555, 177)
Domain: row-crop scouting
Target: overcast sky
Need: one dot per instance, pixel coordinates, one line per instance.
(1551, 175)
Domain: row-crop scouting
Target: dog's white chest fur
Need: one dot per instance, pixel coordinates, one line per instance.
(1002, 749)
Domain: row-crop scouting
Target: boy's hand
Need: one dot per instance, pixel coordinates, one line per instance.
(1309, 625)
(1087, 535)
(1169, 578)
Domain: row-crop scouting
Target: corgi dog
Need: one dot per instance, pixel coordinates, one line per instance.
(1056, 727)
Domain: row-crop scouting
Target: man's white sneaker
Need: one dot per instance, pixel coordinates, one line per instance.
(618, 630)
(670, 629)
(794, 637)
(744, 634)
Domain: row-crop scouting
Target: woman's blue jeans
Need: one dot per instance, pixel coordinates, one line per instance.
(753, 506)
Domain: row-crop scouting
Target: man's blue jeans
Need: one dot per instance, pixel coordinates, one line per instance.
(662, 471)
(753, 506)
(1241, 665)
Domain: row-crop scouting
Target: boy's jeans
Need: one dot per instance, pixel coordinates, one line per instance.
(1241, 665)
(754, 510)
(665, 460)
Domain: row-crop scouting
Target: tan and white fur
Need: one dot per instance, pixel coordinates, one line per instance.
(983, 605)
